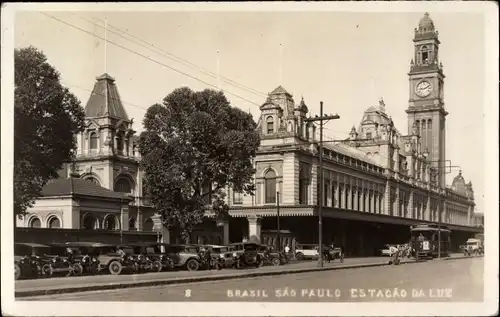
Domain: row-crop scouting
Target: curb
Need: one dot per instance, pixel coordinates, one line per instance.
(185, 280)
(464, 257)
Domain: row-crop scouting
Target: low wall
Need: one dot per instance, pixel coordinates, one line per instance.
(47, 236)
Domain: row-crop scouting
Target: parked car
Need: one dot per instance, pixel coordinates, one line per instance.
(184, 256)
(272, 257)
(29, 259)
(155, 252)
(246, 254)
(109, 259)
(64, 260)
(306, 252)
(82, 252)
(217, 260)
(144, 262)
(389, 250)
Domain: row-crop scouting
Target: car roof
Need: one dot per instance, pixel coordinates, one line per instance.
(89, 244)
(33, 245)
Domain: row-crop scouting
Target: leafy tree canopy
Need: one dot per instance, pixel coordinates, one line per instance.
(46, 117)
(191, 140)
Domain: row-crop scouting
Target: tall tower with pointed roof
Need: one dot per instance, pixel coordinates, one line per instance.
(426, 100)
(106, 152)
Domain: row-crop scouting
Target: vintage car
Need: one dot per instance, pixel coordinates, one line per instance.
(388, 250)
(83, 254)
(246, 254)
(110, 259)
(29, 259)
(217, 259)
(63, 260)
(144, 256)
(306, 252)
(159, 260)
(184, 256)
(271, 257)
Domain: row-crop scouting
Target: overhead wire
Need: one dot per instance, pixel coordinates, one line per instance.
(148, 58)
(171, 56)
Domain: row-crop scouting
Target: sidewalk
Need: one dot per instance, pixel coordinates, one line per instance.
(37, 287)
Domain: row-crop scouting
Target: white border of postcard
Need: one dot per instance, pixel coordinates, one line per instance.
(490, 163)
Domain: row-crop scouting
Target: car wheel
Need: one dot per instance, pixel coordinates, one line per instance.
(299, 256)
(192, 265)
(157, 267)
(115, 267)
(77, 269)
(17, 272)
(47, 270)
(276, 262)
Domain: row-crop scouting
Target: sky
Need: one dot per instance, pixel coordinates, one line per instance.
(348, 60)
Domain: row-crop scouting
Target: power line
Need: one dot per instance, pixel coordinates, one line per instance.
(174, 57)
(148, 58)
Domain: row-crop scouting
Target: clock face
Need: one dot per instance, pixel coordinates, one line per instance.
(423, 88)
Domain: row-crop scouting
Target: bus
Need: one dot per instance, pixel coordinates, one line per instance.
(424, 238)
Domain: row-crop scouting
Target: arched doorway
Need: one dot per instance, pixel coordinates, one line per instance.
(110, 223)
(90, 222)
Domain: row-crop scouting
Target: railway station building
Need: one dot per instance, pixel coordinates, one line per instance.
(376, 183)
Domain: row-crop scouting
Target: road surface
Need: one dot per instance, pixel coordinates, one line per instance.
(437, 280)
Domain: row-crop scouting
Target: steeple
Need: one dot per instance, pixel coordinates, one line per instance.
(105, 100)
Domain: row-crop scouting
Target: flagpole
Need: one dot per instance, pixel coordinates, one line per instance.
(218, 71)
(281, 64)
(105, 45)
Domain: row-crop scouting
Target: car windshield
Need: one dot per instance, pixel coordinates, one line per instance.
(251, 247)
(471, 242)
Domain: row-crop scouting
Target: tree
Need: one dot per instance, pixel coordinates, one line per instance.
(195, 144)
(46, 117)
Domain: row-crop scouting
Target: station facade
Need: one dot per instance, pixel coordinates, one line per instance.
(376, 183)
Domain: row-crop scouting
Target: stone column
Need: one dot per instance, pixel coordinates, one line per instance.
(79, 143)
(342, 196)
(410, 205)
(124, 217)
(254, 227)
(349, 197)
(428, 208)
(377, 202)
(337, 195)
(469, 215)
(367, 200)
(355, 202)
(361, 199)
(372, 200)
(387, 198)
(397, 211)
(139, 219)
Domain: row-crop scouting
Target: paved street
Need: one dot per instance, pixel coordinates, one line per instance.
(55, 283)
(455, 280)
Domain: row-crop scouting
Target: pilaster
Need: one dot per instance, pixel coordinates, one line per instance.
(387, 198)
(254, 227)
(290, 179)
(410, 205)
(313, 186)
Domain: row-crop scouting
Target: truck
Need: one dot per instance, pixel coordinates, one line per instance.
(474, 246)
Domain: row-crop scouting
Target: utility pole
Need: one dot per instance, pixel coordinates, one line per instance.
(278, 236)
(322, 119)
(441, 186)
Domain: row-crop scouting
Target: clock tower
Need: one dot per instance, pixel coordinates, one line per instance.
(426, 103)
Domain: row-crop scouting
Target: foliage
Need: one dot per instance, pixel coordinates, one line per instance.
(46, 117)
(191, 140)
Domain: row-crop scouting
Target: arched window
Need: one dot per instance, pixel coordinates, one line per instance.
(90, 222)
(93, 180)
(429, 124)
(35, 223)
(131, 224)
(425, 54)
(93, 141)
(270, 187)
(54, 223)
(123, 185)
(148, 225)
(110, 223)
(270, 125)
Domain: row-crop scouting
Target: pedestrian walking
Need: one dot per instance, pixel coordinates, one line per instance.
(287, 249)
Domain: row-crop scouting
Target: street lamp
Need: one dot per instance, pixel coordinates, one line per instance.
(278, 235)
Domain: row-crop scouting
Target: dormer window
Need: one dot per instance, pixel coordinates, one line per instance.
(270, 125)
